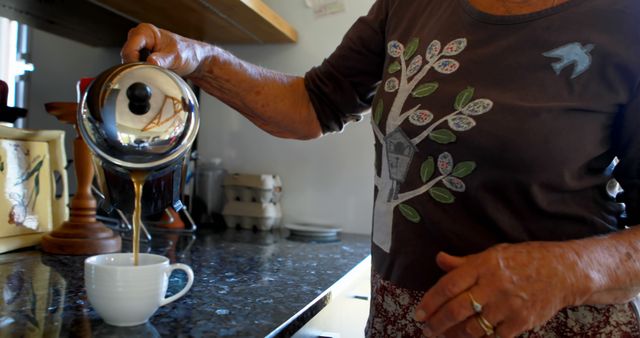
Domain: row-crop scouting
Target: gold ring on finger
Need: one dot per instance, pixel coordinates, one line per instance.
(477, 307)
(485, 325)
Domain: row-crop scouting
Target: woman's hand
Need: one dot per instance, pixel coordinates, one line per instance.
(276, 102)
(519, 286)
(168, 50)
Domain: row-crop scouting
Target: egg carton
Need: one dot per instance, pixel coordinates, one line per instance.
(252, 188)
(247, 215)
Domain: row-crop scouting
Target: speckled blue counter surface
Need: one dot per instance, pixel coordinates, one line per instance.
(247, 284)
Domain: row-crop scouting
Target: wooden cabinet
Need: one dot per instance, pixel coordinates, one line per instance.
(217, 21)
(106, 22)
(79, 20)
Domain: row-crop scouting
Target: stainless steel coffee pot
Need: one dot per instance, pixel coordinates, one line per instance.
(139, 117)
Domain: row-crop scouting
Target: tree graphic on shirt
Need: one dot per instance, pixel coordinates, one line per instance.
(407, 73)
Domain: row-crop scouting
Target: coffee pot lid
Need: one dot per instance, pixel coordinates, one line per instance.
(138, 116)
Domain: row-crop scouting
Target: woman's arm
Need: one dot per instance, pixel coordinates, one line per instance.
(613, 263)
(521, 286)
(275, 102)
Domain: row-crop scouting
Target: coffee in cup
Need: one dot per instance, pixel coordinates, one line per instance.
(124, 294)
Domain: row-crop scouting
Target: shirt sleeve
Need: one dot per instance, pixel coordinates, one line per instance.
(626, 142)
(341, 89)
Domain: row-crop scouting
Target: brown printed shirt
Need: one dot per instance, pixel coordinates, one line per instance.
(489, 129)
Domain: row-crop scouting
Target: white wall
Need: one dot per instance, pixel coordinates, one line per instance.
(327, 181)
(59, 64)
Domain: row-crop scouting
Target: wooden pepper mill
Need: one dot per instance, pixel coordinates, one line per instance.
(8, 114)
(82, 234)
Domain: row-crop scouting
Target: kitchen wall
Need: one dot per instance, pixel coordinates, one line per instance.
(327, 181)
(59, 64)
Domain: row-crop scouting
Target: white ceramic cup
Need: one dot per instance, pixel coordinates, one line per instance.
(128, 295)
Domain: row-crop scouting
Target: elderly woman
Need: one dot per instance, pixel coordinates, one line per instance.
(500, 127)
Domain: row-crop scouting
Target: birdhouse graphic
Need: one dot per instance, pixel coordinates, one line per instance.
(400, 152)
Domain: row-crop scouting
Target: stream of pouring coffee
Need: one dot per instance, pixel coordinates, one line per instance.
(138, 178)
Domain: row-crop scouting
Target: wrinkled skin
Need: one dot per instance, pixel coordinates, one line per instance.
(171, 51)
(276, 102)
(520, 286)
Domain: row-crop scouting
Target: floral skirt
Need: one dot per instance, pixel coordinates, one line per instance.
(391, 315)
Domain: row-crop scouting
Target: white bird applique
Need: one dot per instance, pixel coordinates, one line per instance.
(572, 53)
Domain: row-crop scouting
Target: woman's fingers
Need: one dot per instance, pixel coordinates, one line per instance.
(449, 286)
(167, 50)
(142, 36)
(461, 316)
(162, 59)
(514, 288)
(448, 262)
(456, 311)
(131, 50)
(472, 327)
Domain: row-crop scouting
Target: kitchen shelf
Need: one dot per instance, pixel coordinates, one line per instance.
(105, 23)
(79, 20)
(215, 21)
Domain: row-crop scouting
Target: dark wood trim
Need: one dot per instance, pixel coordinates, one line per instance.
(78, 20)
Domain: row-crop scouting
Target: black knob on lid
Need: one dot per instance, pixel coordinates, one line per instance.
(139, 94)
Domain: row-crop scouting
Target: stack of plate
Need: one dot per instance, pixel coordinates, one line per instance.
(313, 232)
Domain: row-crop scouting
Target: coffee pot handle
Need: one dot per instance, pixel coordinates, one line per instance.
(144, 54)
(184, 290)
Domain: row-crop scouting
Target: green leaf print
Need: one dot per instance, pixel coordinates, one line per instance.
(30, 173)
(394, 67)
(409, 212)
(442, 195)
(427, 169)
(36, 183)
(411, 48)
(463, 169)
(442, 136)
(377, 113)
(463, 98)
(425, 89)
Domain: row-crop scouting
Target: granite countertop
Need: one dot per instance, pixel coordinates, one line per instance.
(247, 284)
